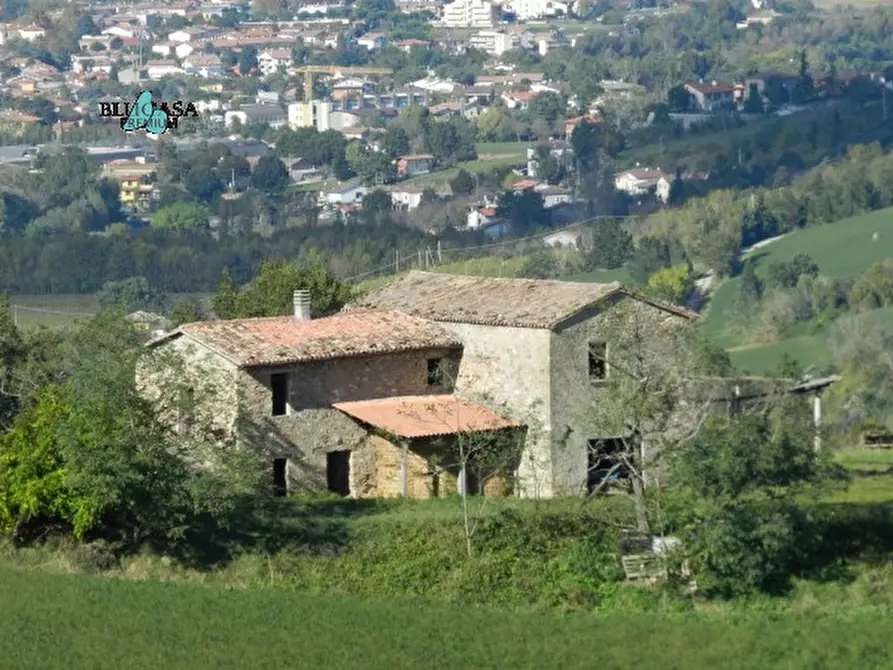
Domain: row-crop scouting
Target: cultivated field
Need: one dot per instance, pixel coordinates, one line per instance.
(65, 621)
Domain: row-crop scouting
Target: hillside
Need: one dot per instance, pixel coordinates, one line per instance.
(842, 249)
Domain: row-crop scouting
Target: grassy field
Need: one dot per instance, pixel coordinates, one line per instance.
(58, 311)
(66, 621)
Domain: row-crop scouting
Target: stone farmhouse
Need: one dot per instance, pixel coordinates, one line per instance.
(360, 402)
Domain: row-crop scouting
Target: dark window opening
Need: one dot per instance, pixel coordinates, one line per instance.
(185, 411)
(598, 360)
(605, 462)
(280, 480)
(279, 385)
(435, 371)
(338, 472)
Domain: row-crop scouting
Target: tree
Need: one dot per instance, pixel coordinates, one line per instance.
(203, 183)
(738, 483)
(786, 274)
(648, 399)
(247, 60)
(548, 106)
(185, 311)
(754, 102)
(272, 292)
(491, 123)
(751, 286)
(776, 92)
(377, 202)
(611, 245)
(651, 255)
(225, 300)
(462, 183)
(524, 210)
(679, 100)
(673, 285)
(395, 142)
(182, 216)
(132, 294)
(270, 175)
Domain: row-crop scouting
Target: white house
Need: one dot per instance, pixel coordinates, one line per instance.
(187, 35)
(345, 194)
(203, 65)
(162, 68)
(639, 181)
(471, 14)
(31, 33)
(372, 41)
(524, 10)
(494, 42)
(407, 197)
(164, 49)
(271, 61)
(124, 32)
(553, 195)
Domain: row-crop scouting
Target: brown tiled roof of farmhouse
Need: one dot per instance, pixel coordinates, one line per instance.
(282, 340)
(425, 416)
(527, 303)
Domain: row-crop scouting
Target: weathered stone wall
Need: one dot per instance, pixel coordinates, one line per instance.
(170, 368)
(312, 428)
(320, 384)
(573, 393)
(508, 370)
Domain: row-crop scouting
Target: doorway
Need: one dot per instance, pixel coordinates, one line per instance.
(280, 478)
(338, 472)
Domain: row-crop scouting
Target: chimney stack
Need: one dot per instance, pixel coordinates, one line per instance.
(302, 305)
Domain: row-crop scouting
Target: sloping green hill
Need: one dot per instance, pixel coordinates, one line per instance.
(843, 249)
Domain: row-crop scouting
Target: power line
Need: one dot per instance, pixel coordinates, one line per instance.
(393, 265)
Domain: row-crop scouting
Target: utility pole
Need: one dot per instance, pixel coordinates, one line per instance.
(397, 260)
(439, 254)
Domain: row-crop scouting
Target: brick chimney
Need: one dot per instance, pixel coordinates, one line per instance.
(302, 305)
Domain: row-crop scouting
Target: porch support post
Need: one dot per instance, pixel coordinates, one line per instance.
(404, 469)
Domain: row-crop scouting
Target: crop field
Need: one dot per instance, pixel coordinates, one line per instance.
(68, 621)
(59, 311)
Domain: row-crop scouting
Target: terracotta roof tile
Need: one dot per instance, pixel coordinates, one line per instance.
(425, 416)
(529, 303)
(282, 340)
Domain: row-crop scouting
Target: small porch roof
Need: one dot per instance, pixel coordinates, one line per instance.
(426, 416)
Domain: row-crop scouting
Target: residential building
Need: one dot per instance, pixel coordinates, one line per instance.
(553, 195)
(525, 10)
(639, 181)
(301, 171)
(570, 124)
(158, 69)
(273, 115)
(272, 61)
(494, 42)
(344, 194)
(203, 65)
(470, 14)
(411, 166)
(407, 197)
(137, 190)
(713, 96)
(371, 41)
(312, 114)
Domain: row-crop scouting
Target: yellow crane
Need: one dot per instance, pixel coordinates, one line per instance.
(310, 70)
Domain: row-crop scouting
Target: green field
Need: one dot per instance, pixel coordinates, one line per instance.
(58, 311)
(66, 621)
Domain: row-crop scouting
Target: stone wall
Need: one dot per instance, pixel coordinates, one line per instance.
(574, 394)
(168, 370)
(508, 370)
(312, 428)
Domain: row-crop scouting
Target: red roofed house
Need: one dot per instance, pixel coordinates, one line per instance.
(410, 166)
(369, 401)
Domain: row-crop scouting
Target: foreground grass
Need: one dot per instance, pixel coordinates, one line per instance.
(81, 622)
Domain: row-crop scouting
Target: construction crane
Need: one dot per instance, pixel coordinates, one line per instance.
(309, 71)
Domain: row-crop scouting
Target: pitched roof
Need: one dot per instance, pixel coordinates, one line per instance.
(524, 303)
(282, 340)
(426, 416)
